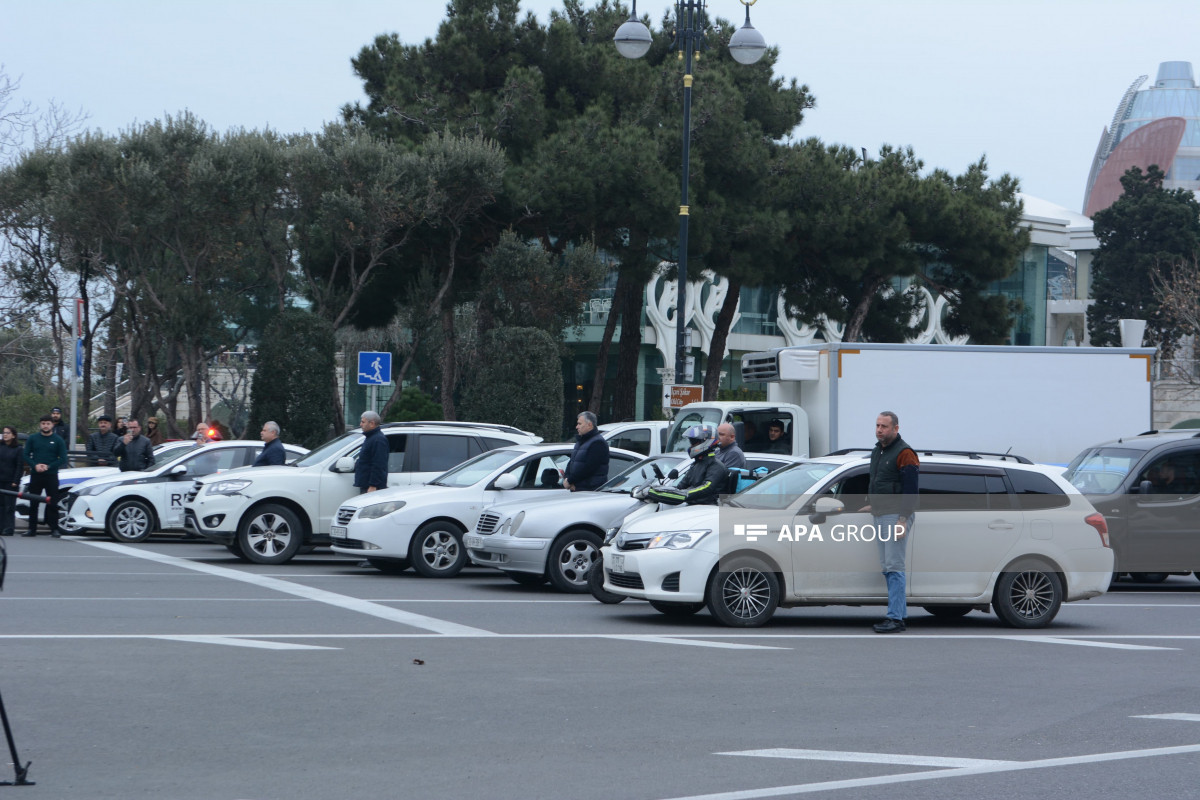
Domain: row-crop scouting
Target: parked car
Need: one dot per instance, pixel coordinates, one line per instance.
(1148, 489)
(646, 437)
(989, 533)
(132, 505)
(268, 515)
(68, 478)
(423, 526)
(560, 540)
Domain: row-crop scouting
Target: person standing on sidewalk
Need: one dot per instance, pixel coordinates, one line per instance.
(46, 454)
(12, 466)
(371, 469)
(892, 495)
(133, 451)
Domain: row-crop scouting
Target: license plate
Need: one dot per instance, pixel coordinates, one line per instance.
(337, 532)
(474, 541)
(617, 563)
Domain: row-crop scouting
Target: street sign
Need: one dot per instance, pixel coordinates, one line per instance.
(678, 395)
(374, 369)
(79, 358)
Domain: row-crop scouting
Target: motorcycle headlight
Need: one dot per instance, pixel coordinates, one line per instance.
(677, 540)
(226, 487)
(88, 491)
(515, 522)
(380, 509)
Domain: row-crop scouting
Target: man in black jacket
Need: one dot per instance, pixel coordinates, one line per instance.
(60, 427)
(704, 479)
(588, 468)
(273, 454)
(371, 469)
(133, 451)
(101, 443)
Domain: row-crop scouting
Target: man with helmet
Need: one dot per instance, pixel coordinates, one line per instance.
(704, 479)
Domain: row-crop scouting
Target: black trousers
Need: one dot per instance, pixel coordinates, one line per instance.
(44, 483)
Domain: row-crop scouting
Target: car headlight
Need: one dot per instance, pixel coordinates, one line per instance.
(380, 509)
(226, 487)
(515, 523)
(677, 540)
(88, 491)
(611, 534)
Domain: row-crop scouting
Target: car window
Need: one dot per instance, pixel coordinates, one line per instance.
(686, 420)
(397, 443)
(952, 491)
(442, 451)
(997, 491)
(495, 444)
(1036, 491)
(1171, 476)
(326, 450)
(207, 460)
(1101, 470)
(643, 471)
(784, 487)
(541, 473)
(635, 439)
(475, 470)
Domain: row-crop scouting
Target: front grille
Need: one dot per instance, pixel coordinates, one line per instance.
(345, 514)
(634, 544)
(626, 580)
(192, 492)
(350, 544)
(671, 583)
(487, 524)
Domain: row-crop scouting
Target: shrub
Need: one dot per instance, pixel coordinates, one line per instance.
(516, 380)
(295, 379)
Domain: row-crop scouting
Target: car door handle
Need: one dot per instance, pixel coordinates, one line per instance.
(1000, 525)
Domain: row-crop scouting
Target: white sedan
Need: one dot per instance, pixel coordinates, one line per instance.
(423, 526)
(132, 505)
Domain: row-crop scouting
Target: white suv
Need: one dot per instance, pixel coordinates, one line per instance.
(267, 514)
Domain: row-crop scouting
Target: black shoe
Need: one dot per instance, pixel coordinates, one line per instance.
(29, 533)
(890, 626)
(55, 535)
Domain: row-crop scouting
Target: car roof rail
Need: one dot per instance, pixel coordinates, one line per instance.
(971, 454)
(491, 426)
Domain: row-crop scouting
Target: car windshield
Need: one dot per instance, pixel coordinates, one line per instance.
(472, 472)
(1102, 470)
(643, 471)
(700, 416)
(324, 451)
(170, 456)
(782, 488)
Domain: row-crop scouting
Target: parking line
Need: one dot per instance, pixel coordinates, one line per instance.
(1178, 717)
(868, 758)
(690, 642)
(236, 642)
(1081, 643)
(300, 590)
(939, 774)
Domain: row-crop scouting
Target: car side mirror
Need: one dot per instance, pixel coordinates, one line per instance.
(179, 469)
(343, 464)
(505, 481)
(1145, 487)
(673, 474)
(823, 507)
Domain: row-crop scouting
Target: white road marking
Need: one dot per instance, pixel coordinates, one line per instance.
(869, 758)
(939, 774)
(299, 590)
(1111, 645)
(237, 642)
(1179, 717)
(691, 642)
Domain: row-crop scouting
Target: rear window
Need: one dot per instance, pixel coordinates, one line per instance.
(1036, 491)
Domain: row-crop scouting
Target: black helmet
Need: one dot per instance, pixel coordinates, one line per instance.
(702, 438)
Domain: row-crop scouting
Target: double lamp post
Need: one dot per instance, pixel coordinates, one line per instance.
(747, 46)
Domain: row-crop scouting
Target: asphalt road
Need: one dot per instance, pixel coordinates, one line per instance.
(171, 670)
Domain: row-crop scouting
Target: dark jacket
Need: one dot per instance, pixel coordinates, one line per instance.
(894, 476)
(60, 430)
(137, 456)
(49, 450)
(371, 469)
(588, 468)
(703, 483)
(100, 448)
(12, 466)
(273, 454)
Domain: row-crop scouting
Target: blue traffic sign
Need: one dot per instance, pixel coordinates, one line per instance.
(374, 369)
(79, 358)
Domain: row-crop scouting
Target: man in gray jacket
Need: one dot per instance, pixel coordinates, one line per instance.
(134, 452)
(100, 444)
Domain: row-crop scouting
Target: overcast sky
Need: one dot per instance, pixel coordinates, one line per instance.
(1031, 84)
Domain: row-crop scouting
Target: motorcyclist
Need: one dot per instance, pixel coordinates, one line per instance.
(705, 479)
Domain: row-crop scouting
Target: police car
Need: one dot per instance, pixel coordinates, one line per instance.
(130, 506)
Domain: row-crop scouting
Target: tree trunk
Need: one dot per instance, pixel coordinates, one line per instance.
(716, 353)
(625, 394)
(855, 324)
(449, 364)
(610, 328)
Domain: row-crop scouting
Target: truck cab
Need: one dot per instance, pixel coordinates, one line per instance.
(752, 420)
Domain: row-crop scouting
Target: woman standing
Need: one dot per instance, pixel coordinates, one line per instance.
(11, 468)
(152, 432)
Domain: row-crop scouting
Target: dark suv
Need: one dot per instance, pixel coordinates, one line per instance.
(1148, 489)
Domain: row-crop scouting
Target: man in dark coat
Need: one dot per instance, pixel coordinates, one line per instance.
(588, 468)
(133, 451)
(101, 443)
(273, 454)
(705, 478)
(892, 494)
(371, 469)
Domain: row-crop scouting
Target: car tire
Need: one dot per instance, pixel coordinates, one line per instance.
(526, 578)
(1148, 577)
(745, 595)
(437, 550)
(1028, 596)
(236, 549)
(572, 557)
(390, 566)
(676, 609)
(596, 585)
(270, 534)
(130, 521)
(949, 612)
(63, 512)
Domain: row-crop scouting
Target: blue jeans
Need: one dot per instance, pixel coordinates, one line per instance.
(891, 563)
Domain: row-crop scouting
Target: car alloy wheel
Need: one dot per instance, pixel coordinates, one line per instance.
(1028, 596)
(572, 558)
(745, 596)
(130, 521)
(437, 550)
(271, 535)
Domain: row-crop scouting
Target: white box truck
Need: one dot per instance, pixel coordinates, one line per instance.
(1044, 403)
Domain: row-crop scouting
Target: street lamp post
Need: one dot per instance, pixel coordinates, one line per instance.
(746, 46)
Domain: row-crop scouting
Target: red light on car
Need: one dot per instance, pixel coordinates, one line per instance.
(1097, 522)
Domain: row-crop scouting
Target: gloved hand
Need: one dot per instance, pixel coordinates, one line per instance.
(640, 492)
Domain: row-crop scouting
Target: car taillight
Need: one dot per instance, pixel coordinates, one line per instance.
(1097, 522)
